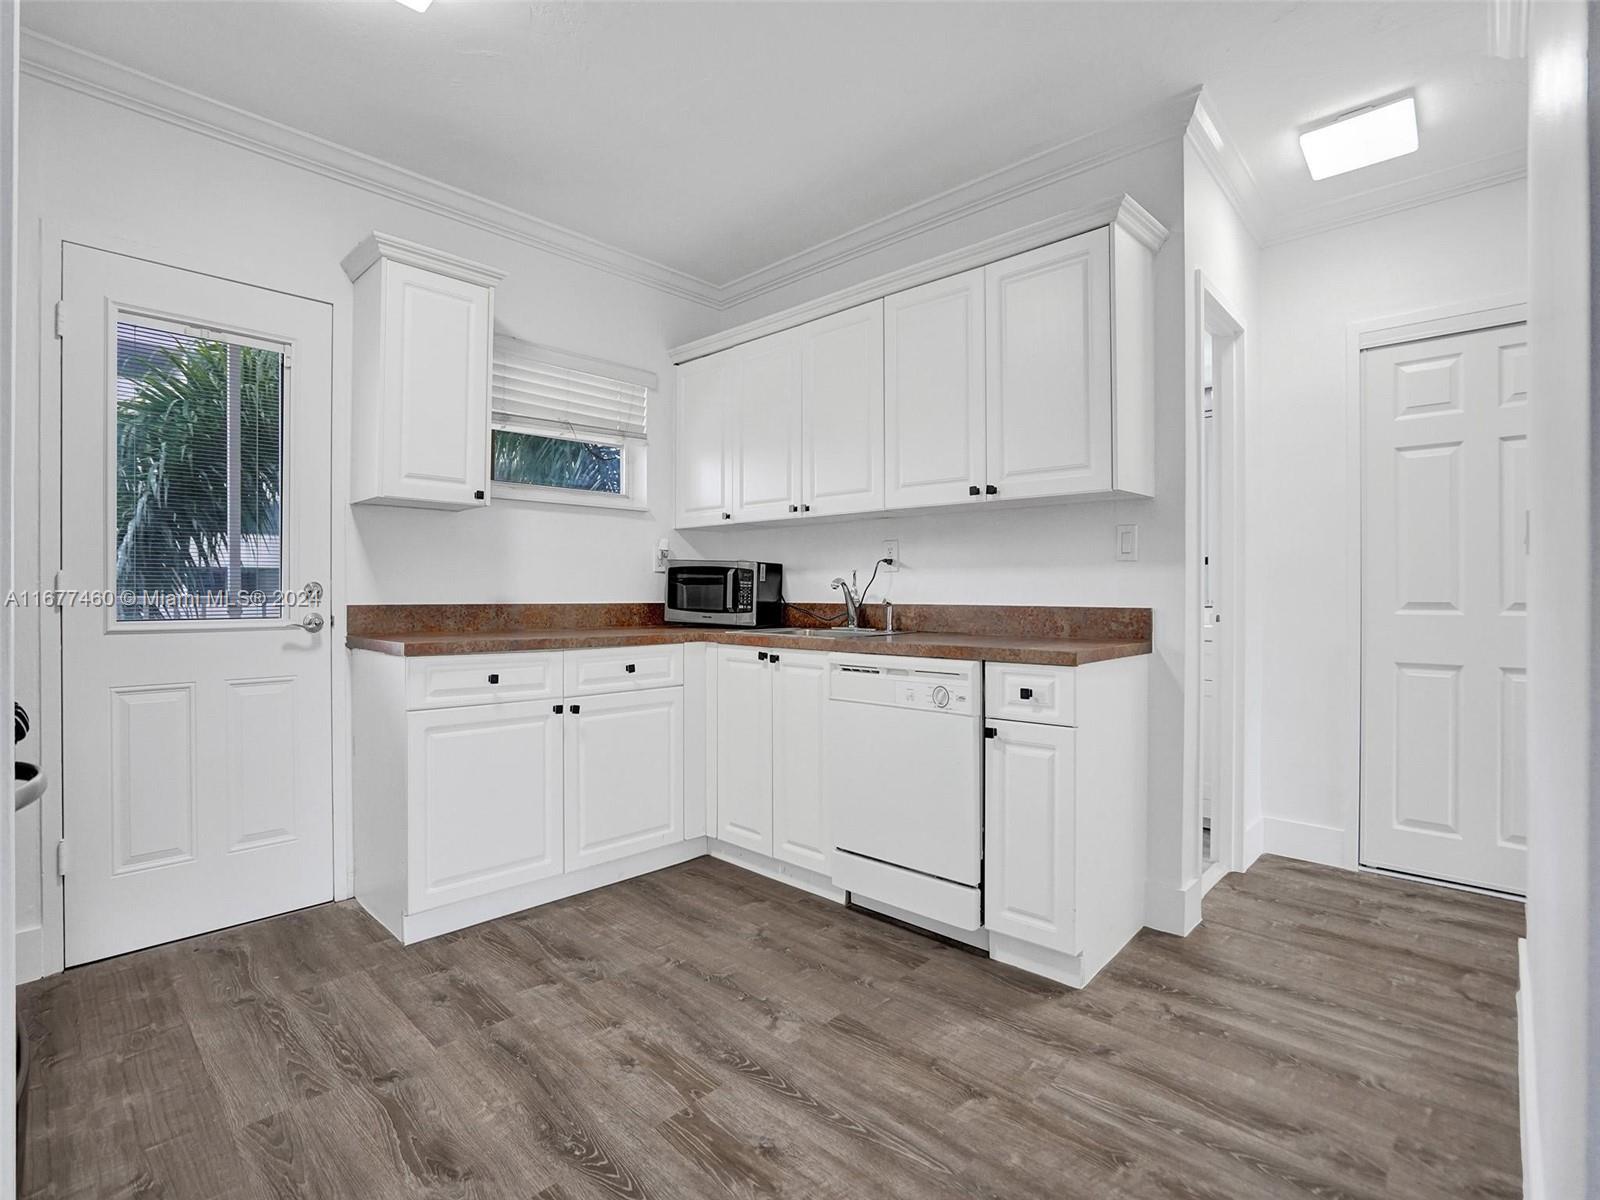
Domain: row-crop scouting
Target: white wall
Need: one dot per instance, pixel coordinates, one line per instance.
(1220, 247)
(96, 171)
(1060, 554)
(1557, 1007)
(1303, 561)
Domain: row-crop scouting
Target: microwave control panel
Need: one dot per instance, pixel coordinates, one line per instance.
(744, 595)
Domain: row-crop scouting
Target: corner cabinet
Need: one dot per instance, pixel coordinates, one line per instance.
(487, 783)
(423, 329)
(1025, 379)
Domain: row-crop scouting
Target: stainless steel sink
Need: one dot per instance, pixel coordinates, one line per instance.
(830, 634)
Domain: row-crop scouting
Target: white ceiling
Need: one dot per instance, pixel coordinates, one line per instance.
(719, 138)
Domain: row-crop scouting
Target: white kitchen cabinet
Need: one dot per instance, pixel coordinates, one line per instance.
(1048, 356)
(423, 327)
(468, 805)
(766, 430)
(801, 834)
(1029, 828)
(933, 373)
(1019, 379)
(483, 799)
(842, 410)
(1065, 803)
(706, 391)
(769, 751)
(744, 748)
(624, 775)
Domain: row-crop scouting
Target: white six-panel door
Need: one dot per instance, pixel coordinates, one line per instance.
(933, 393)
(1444, 585)
(197, 788)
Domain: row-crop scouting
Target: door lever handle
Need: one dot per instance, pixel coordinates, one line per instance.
(311, 623)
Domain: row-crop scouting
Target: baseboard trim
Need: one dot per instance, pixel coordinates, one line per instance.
(797, 877)
(1254, 844)
(462, 914)
(1305, 840)
(1527, 1082)
(1173, 910)
(30, 954)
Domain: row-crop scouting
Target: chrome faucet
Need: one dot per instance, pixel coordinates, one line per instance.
(852, 602)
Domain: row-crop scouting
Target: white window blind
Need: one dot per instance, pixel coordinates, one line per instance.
(568, 393)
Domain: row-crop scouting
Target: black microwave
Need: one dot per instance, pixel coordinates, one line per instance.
(725, 593)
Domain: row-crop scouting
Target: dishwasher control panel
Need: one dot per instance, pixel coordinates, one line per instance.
(955, 689)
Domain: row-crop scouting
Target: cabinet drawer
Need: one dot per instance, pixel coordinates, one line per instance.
(623, 669)
(459, 679)
(1046, 695)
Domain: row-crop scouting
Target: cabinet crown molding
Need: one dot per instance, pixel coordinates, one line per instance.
(378, 245)
(1122, 211)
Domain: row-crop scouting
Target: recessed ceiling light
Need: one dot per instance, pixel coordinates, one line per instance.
(1359, 139)
(417, 5)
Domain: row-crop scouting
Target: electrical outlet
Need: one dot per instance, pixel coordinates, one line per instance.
(891, 550)
(1127, 543)
(663, 552)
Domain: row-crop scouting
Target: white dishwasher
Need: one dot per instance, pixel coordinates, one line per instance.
(904, 778)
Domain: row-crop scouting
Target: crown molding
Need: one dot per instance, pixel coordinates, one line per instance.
(1151, 127)
(1208, 136)
(66, 66)
(1122, 211)
(1443, 184)
(378, 245)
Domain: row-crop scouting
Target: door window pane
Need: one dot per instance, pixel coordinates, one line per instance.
(199, 474)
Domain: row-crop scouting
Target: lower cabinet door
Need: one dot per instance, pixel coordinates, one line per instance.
(624, 779)
(744, 748)
(1030, 834)
(484, 800)
(800, 831)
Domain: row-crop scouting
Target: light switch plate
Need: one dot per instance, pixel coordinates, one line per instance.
(891, 549)
(1127, 543)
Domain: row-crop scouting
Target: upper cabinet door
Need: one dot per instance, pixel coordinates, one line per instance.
(706, 389)
(933, 392)
(842, 364)
(1049, 369)
(767, 430)
(423, 342)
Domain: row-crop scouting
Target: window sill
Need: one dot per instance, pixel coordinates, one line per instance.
(564, 497)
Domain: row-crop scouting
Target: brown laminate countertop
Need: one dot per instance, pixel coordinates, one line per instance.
(1043, 651)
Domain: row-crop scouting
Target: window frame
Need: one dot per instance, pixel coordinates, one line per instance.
(635, 454)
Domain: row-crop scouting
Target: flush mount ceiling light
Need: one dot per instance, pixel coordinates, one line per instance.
(1361, 138)
(417, 5)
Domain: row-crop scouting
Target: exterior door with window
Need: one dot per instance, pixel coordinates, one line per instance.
(1444, 608)
(196, 665)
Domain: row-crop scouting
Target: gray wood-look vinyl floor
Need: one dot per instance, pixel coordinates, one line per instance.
(703, 1032)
